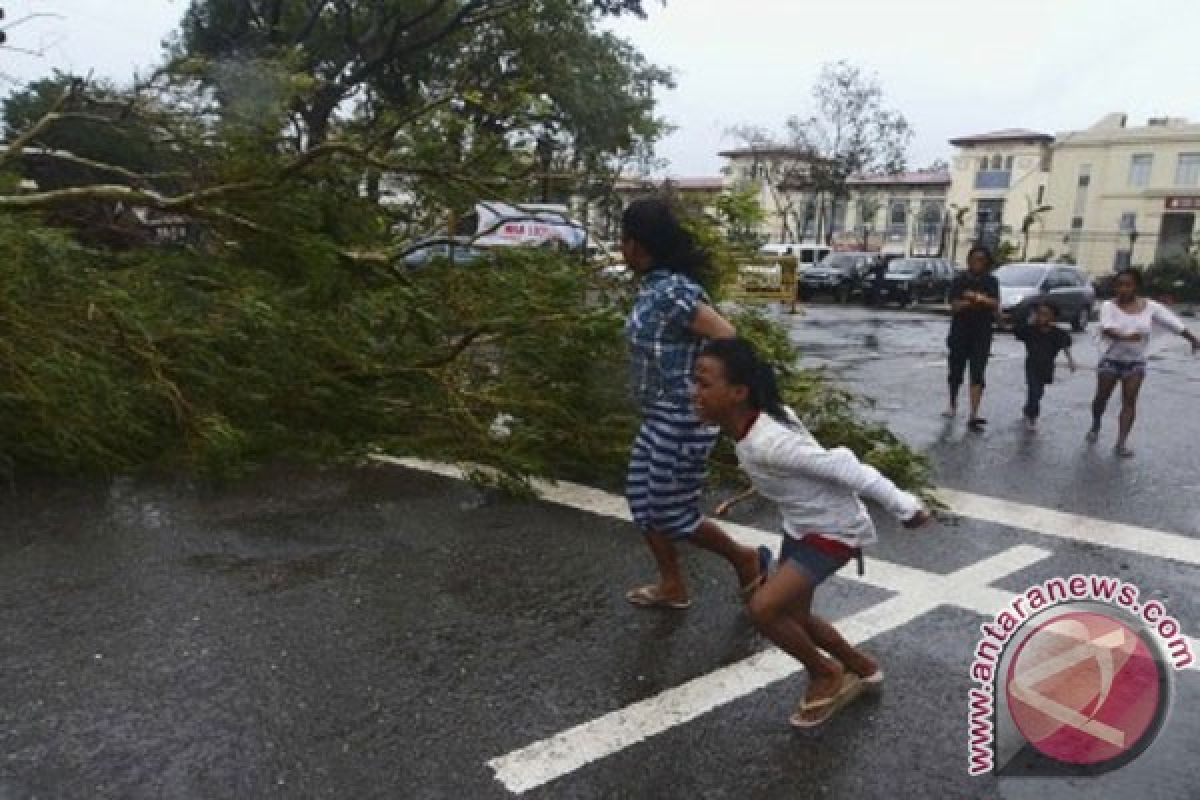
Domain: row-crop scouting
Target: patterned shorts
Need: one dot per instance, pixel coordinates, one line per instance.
(1121, 369)
(667, 469)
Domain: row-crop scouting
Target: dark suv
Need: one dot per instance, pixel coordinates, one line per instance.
(916, 280)
(1023, 286)
(839, 274)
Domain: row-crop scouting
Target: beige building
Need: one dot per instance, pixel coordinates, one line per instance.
(903, 214)
(1104, 197)
(1124, 195)
(997, 179)
(778, 174)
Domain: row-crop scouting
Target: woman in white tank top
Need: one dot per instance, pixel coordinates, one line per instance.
(1127, 323)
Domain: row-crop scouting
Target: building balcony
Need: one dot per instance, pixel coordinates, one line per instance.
(993, 179)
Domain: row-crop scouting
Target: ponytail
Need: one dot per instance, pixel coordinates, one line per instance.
(651, 222)
(744, 367)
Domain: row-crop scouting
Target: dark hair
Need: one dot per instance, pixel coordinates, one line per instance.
(1049, 305)
(985, 252)
(744, 367)
(652, 223)
(1134, 273)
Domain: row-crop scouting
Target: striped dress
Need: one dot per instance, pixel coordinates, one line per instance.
(668, 463)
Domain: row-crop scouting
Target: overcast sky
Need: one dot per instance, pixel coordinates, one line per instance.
(952, 66)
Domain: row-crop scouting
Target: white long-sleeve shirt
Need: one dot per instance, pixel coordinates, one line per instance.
(817, 490)
(1144, 322)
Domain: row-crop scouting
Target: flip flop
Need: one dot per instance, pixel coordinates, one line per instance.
(764, 569)
(851, 687)
(649, 597)
(874, 680)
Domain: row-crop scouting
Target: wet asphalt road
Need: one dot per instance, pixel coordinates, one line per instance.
(378, 632)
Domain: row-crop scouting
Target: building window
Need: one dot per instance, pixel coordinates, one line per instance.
(1077, 223)
(898, 216)
(1008, 163)
(1128, 222)
(1188, 171)
(1139, 169)
(1123, 259)
(1041, 195)
(1085, 181)
(992, 174)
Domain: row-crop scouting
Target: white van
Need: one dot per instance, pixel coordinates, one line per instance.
(803, 252)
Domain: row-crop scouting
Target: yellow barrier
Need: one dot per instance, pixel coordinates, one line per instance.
(764, 280)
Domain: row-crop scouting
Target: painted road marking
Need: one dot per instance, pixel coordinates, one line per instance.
(549, 759)
(1074, 527)
(916, 592)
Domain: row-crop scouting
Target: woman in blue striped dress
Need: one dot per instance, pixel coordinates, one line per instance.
(671, 321)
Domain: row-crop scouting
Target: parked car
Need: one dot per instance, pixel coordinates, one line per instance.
(839, 274)
(803, 252)
(457, 250)
(916, 280)
(1023, 286)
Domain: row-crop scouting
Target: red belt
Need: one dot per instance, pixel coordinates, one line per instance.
(834, 548)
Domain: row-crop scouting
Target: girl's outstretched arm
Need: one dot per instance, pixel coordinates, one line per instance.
(840, 466)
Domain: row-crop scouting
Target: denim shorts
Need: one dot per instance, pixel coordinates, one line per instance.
(813, 563)
(1121, 369)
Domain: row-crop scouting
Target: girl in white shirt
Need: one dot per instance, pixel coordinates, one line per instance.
(1126, 325)
(824, 521)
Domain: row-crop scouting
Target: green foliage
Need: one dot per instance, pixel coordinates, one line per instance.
(741, 214)
(1178, 279)
(1006, 253)
(215, 365)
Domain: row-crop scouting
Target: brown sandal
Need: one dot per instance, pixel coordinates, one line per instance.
(824, 709)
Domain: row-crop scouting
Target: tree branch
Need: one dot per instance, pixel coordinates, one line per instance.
(48, 119)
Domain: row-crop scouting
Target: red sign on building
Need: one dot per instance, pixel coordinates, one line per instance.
(1183, 204)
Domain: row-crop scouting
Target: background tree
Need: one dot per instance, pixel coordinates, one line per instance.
(960, 220)
(776, 170)
(1033, 216)
(850, 131)
(741, 214)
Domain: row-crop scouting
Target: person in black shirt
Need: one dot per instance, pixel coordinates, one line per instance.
(1043, 342)
(974, 300)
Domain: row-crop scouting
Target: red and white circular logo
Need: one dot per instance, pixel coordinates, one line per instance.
(1084, 688)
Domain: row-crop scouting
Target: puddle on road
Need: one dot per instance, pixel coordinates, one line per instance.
(265, 575)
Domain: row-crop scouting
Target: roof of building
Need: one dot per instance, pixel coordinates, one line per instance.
(918, 178)
(1115, 128)
(768, 151)
(1005, 135)
(689, 184)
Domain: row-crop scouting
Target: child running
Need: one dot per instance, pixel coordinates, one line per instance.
(1127, 323)
(825, 523)
(1043, 342)
(671, 321)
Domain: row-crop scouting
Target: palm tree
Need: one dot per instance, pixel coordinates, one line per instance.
(1032, 217)
(960, 219)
